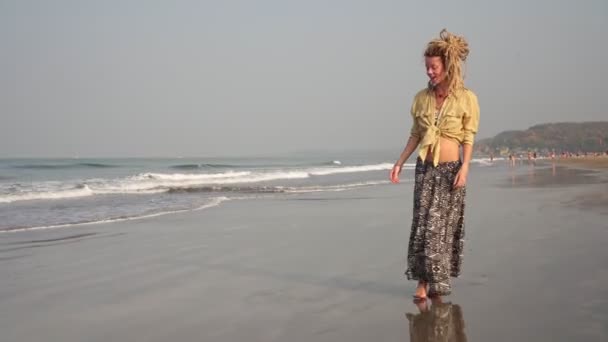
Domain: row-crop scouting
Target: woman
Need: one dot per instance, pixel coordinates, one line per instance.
(445, 118)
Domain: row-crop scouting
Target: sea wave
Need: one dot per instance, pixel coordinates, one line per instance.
(486, 161)
(85, 190)
(274, 189)
(150, 183)
(351, 169)
(338, 187)
(77, 191)
(212, 203)
(203, 166)
(188, 176)
(64, 166)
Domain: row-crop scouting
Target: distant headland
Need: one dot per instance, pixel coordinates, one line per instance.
(558, 138)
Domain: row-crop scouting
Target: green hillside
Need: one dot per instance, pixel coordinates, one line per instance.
(563, 136)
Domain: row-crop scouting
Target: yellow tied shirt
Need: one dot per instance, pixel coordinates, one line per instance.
(458, 120)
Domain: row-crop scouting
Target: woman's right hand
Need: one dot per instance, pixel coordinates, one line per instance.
(394, 176)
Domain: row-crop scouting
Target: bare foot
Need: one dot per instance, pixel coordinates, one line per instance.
(420, 290)
(422, 305)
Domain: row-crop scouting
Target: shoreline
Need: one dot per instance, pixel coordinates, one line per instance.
(588, 163)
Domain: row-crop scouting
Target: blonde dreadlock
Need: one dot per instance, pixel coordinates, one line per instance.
(453, 51)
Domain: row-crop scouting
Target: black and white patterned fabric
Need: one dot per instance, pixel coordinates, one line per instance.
(437, 238)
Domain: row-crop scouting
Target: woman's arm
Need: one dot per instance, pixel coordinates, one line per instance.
(461, 176)
(412, 143)
(470, 123)
(467, 153)
(410, 147)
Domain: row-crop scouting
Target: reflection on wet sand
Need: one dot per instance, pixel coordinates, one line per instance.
(437, 321)
(553, 176)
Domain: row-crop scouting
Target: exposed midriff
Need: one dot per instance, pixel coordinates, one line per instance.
(449, 151)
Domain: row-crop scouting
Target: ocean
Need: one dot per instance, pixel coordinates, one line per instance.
(53, 193)
(291, 249)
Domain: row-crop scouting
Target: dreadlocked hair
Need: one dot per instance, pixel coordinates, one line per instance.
(453, 51)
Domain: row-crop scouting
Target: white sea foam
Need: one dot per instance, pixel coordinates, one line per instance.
(339, 187)
(150, 183)
(486, 161)
(190, 176)
(350, 169)
(80, 191)
(213, 203)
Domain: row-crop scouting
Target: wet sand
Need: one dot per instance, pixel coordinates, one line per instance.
(320, 267)
(599, 162)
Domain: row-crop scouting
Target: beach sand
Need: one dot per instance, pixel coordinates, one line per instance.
(319, 267)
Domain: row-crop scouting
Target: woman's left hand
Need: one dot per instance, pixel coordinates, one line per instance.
(461, 177)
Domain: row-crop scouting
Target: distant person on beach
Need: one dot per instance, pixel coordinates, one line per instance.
(445, 117)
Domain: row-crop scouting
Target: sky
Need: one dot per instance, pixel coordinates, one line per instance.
(246, 78)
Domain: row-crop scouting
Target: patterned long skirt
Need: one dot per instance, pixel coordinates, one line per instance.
(437, 238)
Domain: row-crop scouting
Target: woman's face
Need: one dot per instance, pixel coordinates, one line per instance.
(434, 69)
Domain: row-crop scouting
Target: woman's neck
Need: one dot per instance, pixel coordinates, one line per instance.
(441, 89)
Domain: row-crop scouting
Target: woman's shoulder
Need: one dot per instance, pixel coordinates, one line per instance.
(469, 94)
(421, 94)
(470, 102)
(471, 98)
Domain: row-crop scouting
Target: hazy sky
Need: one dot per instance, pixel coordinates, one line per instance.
(256, 77)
